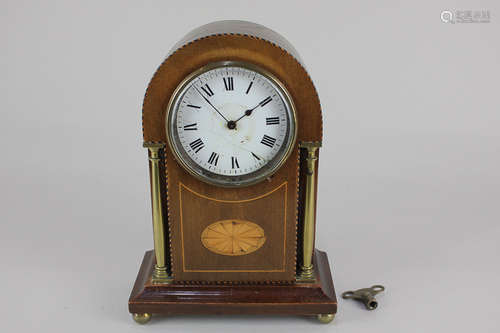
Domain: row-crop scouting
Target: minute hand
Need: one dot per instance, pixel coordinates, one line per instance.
(206, 99)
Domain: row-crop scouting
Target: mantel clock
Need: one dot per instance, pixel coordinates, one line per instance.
(232, 124)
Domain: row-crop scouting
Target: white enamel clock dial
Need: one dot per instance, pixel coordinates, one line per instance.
(231, 124)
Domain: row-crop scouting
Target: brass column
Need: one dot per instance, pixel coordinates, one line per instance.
(160, 274)
(307, 271)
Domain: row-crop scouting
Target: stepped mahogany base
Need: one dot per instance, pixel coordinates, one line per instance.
(316, 298)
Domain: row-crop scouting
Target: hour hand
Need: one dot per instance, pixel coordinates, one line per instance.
(261, 103)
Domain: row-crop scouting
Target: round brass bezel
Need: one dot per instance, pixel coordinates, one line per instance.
(284, 94)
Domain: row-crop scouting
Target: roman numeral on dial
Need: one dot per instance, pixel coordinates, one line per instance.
(190, 127)
(249, 86)
(207, 90)
(268, 141)
(197, 145)
(234, 163)
(265, 101)
(272, 121)
(228, 83)
(214, 159)
(256, 157)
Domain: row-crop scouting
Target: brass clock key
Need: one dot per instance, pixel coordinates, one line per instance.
(365, 295)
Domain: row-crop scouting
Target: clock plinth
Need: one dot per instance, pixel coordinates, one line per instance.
(316, 298)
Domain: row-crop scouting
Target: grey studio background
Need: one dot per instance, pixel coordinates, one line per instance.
(408, 178)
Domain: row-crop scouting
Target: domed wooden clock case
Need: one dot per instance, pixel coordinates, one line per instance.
(233, 234)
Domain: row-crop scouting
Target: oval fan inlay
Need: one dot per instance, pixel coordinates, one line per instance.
(233, 237)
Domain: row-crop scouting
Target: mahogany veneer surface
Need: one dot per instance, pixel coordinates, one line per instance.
(299, 299)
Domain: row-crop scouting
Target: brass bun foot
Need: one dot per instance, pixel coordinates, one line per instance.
(326, 318)
(141, 318)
